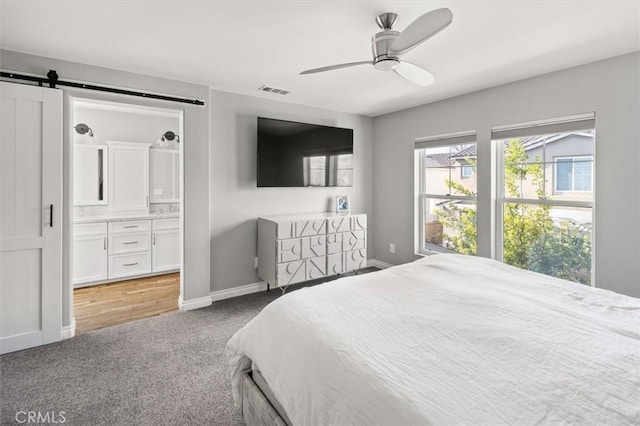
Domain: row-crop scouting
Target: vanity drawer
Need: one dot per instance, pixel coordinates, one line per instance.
(80, 229)
(129, 243)
(124, 265)
(172, 223)
(129, 226)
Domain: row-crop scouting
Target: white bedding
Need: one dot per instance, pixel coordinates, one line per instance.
(448, 340)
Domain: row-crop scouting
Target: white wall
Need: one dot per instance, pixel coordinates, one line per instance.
(196, 156)
(236, 202)
(126, 126)
(610, 88)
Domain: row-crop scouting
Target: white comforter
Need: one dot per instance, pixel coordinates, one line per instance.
(448, 340)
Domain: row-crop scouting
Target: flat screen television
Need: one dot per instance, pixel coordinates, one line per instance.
(292, 154)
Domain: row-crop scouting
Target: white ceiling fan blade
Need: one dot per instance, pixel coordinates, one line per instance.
(420, 30)
(335, 67)
(415, 74)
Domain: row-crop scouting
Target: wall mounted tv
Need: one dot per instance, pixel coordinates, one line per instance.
(292, 154)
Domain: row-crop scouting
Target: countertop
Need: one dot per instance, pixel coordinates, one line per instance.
(94, 219)
(308, 216)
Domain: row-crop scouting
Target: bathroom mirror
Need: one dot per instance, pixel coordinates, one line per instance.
(90, 175)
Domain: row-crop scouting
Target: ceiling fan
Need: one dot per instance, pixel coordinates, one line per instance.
(388, 45)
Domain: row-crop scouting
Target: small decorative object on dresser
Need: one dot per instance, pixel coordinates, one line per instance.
(342, 204)
(296, 248)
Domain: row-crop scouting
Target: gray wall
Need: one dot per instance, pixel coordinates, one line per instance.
(196, 156)
(236, 202)
(610, 88)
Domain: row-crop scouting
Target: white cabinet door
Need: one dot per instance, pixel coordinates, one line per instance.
(128, 178)
(89, 258)
(30, 216)
(165, 175)
(166, 250)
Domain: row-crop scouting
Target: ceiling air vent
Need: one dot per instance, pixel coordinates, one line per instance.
(273, 90)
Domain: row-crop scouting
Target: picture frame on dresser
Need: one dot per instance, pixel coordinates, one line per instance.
(342, 204)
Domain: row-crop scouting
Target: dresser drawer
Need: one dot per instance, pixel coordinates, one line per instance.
(129, 243)
(301, 228)
(358, 222)
(289, 250)
(354, 240)
(160, 224)
(124, 265)
(314, 246)
(81, 229)
(129, 226)
(334, 243)
(338, 224)
(291, 273)
(356, 259)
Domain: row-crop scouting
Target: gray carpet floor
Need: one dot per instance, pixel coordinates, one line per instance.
(165, 370)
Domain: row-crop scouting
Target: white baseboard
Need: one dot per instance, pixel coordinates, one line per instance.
(378, 264)
(262, 286)
(191, 304)
(70, 330)
(238, 291)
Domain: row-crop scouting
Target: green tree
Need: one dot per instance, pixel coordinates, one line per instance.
(531, 238)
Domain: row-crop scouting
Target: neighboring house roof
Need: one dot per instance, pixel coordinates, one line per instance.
(438, 160)
(529, 143)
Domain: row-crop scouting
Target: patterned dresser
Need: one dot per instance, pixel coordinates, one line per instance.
(296, 248)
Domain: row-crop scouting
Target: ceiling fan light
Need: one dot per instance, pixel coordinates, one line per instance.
(387, 64)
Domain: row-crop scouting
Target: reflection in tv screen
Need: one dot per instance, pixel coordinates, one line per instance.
(292, 154)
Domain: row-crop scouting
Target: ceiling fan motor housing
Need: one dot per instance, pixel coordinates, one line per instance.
(380, 44)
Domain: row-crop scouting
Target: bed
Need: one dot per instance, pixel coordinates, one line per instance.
(448, 339)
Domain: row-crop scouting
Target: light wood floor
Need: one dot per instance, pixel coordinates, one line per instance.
(116, 303)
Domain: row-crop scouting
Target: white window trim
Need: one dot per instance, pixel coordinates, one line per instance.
(573, 175)
(421, 246)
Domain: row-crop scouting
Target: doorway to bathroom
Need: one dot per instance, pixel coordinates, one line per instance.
(126, 234)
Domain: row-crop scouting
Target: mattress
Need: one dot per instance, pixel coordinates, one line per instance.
(448, 339)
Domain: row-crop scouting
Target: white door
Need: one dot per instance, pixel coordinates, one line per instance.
(30, 216)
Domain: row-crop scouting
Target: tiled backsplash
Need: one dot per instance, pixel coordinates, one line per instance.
(90, 211)
(86, 211)
(164, 208)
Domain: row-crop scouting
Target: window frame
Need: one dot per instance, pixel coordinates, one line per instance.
(501, 199)
(422, 247)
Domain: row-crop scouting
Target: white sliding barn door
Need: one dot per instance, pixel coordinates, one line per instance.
(30, 198)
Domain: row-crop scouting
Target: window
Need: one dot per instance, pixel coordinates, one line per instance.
(328, 170)
(315, 171)
(342, 167)
(447, 195)
(573, 174)
(545, 203)
(466, 171)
